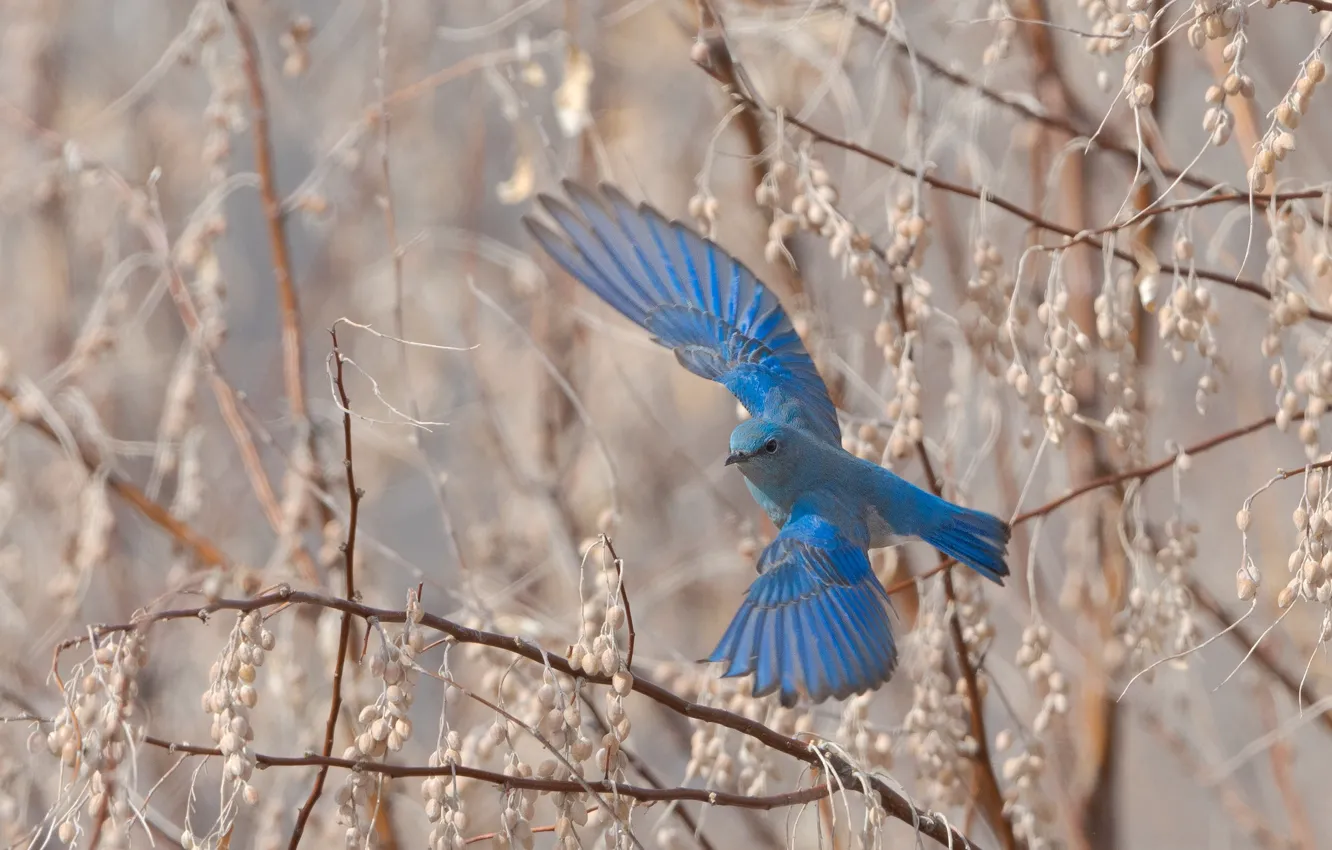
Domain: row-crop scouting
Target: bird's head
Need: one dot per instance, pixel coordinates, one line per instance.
(764, 451)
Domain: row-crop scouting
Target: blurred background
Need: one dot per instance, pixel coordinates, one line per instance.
(950, 199)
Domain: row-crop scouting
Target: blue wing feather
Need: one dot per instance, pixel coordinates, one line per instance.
(815, 621)
(695, 298)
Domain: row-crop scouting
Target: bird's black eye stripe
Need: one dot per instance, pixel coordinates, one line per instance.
(770, 447)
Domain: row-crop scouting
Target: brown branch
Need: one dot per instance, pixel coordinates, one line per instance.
(1248, 642)
(159, 516)
(354, 495)
(726, 69)
(531, 783)
(293, 351)
(1102, 141)
(225, 396)
(1139, 474)
(896, 805)
(145, 215)
(713, 38)
(624, 597)
(1159, 209)
(1065, 180)
(293, 372)
(991, 797)
(1145, 472)
(1072, 237)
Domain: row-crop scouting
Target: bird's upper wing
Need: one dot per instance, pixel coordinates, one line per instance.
(815, 620)
(696, 299)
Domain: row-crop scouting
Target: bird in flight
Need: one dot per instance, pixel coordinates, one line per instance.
(816, 619)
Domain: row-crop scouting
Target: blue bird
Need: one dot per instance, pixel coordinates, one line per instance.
(815, 620)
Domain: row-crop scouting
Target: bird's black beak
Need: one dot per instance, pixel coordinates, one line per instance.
(735, 457)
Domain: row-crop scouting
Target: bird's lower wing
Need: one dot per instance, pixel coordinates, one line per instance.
(720, 320)
(815, 621)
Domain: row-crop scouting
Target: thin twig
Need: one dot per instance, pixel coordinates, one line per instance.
(293, 371)
(641, 765)
(181, 532)
(1261, 653)
(1141, 473)
(354, 495)
(529, 783)
(1022, 107)
(895, 804)
(624, 597)
(991, 797)
(306, 458)
(1073, 237)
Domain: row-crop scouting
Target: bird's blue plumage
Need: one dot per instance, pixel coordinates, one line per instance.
(815, 617)
(816, 620)
(722, 323)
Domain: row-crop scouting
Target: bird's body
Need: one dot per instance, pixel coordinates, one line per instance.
(816, 619)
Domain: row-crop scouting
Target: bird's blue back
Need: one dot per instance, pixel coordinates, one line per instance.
(815, 621)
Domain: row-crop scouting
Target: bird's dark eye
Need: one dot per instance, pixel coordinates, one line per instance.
(770, 447)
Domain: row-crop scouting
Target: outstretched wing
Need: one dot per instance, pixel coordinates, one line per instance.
(814, 621)
(695, 298)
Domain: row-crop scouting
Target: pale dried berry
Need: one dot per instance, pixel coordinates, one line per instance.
(239, 767)
(1286, 597)
(1287, 115)
(1265, 161)
(622, 682)
(1246, 587)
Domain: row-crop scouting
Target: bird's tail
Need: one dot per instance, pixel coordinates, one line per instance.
(974, 538)
(797, 633)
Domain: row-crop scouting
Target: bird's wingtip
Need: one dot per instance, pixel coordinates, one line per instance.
(539, 230)
(580, 194)
(610, 190)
